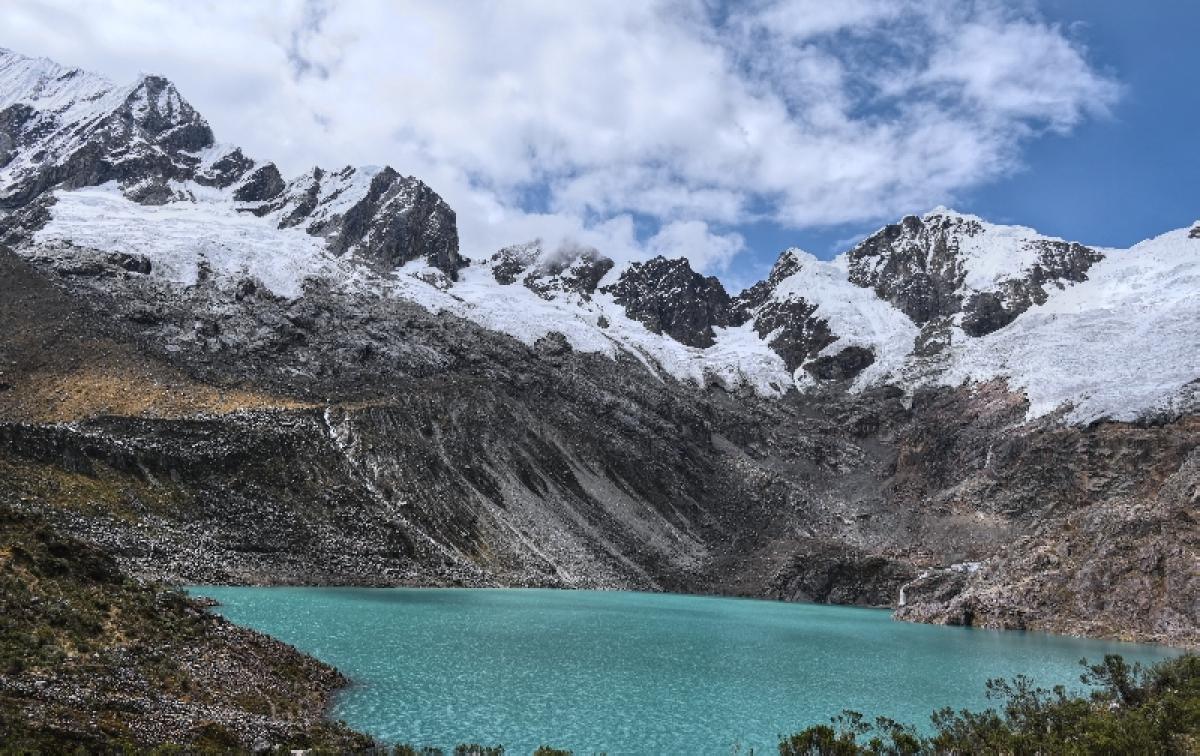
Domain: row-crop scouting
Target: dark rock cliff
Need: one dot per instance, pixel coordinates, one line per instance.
(669, 297)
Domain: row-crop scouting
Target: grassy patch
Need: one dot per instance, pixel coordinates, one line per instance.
(92, 659)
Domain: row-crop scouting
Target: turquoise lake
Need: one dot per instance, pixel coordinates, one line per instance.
(635, 673)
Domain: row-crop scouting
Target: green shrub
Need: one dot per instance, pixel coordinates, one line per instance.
(1130, 710)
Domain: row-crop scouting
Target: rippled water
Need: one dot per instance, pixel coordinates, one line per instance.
(633, 672)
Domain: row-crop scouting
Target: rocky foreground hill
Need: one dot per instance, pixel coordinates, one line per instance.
(214, 373)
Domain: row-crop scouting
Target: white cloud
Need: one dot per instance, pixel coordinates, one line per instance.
(1020, 71)
(693, 239)
(568, 120)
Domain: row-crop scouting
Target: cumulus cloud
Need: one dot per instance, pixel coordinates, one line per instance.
(694, 240)
(639, 127)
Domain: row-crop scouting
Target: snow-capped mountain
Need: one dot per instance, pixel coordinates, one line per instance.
(65, 129)
(931, 300)
(307, 380)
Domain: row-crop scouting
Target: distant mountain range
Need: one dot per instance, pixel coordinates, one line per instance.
(306, 381)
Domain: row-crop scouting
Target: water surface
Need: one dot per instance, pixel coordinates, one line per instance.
(635, 673)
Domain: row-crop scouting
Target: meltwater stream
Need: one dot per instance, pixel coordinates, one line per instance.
(635, 673)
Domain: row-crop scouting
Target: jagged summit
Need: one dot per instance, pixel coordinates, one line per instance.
(570, 268)
(67, 129)
(41, 80)
(92, 173)
(669, 297)
(947, 265)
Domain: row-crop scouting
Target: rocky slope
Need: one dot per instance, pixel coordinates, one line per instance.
(92, 661)
(219, 375)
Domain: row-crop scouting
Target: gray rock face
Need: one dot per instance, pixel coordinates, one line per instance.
(843, 366)
(1104, 534)
(919, 266)
(794, 329)
(225, 171)
(158, 112)
(401, 219)
(667, 296)
(570, 270)
(755, 296)
(510, 262)
(799, 336)
(7, 148)
(914, 266)
(262, 184)
(379, 216)
(835, 573)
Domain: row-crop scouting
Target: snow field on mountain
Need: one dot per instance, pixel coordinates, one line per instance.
(1118, 345)
(738, 356)
(855, 315)
(177, 236)
(72, 94)
(1121, 344)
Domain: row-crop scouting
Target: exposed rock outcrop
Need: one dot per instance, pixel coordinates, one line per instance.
(798, 335)
(1104, 536)
(669, 297)
(836, 573)
(931, 268)
(756, 296)
(380, 216)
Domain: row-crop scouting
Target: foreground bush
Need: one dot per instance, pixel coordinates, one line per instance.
(1131, 710)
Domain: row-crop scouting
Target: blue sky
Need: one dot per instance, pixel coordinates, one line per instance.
(1112, 181)
(720, 131)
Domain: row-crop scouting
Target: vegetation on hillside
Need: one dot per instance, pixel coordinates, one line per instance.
(1130, 710)
(94, 661)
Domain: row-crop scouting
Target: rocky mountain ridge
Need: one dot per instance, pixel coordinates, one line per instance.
(226, 376)
(66, 129)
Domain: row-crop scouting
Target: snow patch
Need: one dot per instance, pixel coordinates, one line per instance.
(854, 314)
(178, 236)
(1122, 344)
(738, 357)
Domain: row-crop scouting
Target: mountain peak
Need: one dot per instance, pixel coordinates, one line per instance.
(668, 296)
(949, 212)
(947, 265)
(43, 84)
(66, 128)
(155, 105)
